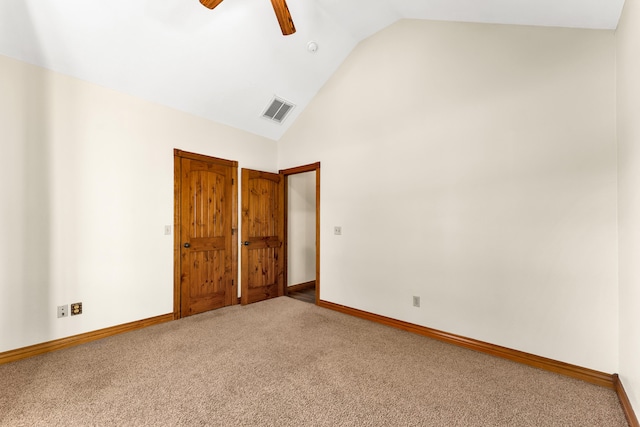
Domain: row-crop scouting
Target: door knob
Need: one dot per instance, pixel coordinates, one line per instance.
(246, 243)
(187, 245)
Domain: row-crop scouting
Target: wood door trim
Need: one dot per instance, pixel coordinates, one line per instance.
(301, 169)
(293, 171)
(177, 197)
(202, 157)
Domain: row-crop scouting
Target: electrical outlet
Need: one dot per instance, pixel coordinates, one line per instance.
(416, 301)
(337, 230)
(63, 310)
(76, 308)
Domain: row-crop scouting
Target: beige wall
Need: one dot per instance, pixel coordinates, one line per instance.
(628, 59)
(474, 166)
(86, 188)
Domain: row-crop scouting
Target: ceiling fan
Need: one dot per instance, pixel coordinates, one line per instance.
(279, 6)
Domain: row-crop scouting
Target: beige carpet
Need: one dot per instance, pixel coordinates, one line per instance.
(284, 362)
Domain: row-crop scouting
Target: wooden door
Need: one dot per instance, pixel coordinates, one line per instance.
(206, 237)
(262, 236)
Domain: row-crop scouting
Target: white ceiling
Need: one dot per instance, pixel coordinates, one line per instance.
(226, 64)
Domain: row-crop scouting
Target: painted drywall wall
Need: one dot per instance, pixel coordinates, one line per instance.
(301, 224)
(86, 188)
(474, 166)
(628, 111)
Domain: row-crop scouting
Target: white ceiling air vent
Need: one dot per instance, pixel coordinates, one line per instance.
(278, 110)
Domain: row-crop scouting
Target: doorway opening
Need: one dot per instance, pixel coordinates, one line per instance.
(302, 232)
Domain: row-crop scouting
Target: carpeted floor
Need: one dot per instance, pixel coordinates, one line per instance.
(284, 362)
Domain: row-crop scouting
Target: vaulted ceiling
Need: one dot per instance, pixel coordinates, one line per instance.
(227, 64)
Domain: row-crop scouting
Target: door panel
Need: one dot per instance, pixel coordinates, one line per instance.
(262, 235)
(207, 240)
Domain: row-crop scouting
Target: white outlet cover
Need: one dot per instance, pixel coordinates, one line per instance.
(337, 230)
(63, 311)
(167, 230)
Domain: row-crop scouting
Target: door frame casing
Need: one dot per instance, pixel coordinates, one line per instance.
(177, 199)
(293, 171)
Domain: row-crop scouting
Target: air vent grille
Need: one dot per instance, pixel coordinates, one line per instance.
(278, 110)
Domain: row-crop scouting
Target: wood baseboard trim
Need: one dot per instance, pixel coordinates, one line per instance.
(59, 344)
(585, 374)
(629, 413)
(301, 286)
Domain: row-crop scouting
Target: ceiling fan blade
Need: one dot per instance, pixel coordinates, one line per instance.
(284, 17)
(210, 3)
